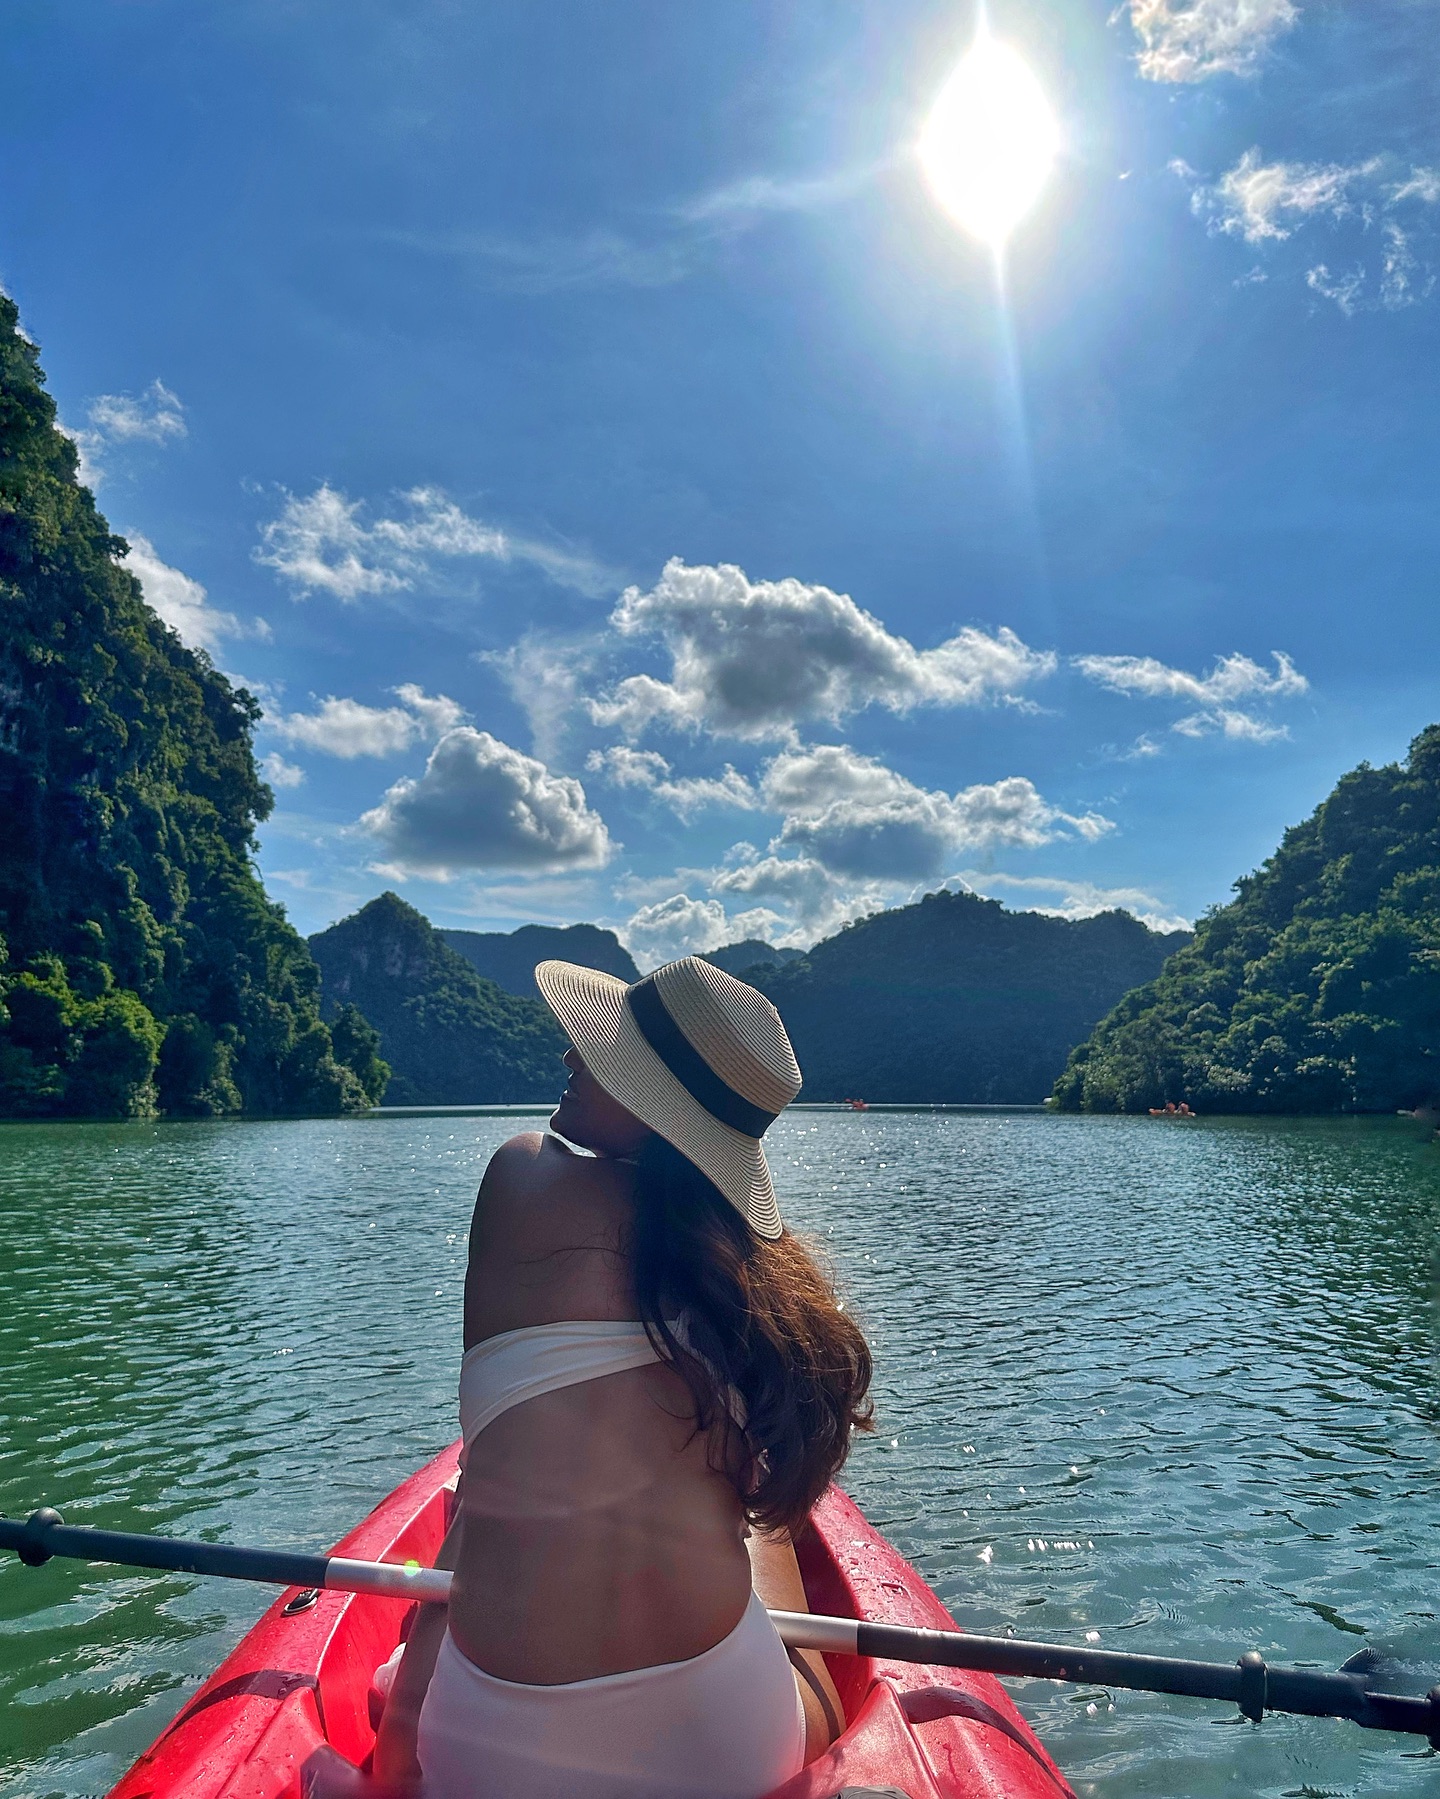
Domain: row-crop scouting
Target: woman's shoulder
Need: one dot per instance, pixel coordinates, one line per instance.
(535, 1161)
(533, 1155)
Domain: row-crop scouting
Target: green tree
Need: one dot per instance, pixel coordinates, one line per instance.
(145, 964)
(1317, 989)
(450, 1036)
(357, 1043)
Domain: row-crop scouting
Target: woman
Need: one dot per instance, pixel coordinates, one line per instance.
(658, 1383)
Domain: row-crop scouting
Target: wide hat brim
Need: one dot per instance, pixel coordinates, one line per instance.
(591, 1009)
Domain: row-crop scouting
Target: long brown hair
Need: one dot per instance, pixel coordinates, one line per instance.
(759, 1316)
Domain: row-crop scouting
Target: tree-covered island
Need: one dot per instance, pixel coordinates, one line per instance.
(142, 968)
(1317, 989)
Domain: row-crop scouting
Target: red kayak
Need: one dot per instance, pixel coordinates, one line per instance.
(298, 1689)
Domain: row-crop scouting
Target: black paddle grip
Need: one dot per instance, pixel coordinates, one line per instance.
(45, 1533)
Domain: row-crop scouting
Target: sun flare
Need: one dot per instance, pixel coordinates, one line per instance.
(990, 142)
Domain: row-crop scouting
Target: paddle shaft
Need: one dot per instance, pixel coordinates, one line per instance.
(1248, 1683)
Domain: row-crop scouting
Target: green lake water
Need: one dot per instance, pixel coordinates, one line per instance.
(1171, 1383)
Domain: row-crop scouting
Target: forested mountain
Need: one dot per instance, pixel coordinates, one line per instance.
(750, 952)
(956, 999)
(451, 1037)
(1317, 989)
(508, 957)
(142, 968)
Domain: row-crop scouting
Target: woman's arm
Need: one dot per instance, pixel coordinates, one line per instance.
(775, 1575)
(396, 1763)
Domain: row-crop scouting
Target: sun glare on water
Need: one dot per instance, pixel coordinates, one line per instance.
(990, 142)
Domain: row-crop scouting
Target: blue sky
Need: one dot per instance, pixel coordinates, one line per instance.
(634, 499)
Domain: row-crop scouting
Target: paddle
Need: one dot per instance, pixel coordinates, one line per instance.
(1248, 1682)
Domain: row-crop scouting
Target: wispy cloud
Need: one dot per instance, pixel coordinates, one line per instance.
(1232, 679)
(156, 416)
(1078, 899)
(1265, 203)
(326, 542)
(545, 675)
(1191, 40)
(655, 250)
(1257, 200)
(549, 263)
(740, 203)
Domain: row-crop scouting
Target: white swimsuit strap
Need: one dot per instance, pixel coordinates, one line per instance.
(507, 1369)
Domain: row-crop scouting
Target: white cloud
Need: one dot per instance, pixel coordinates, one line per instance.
(280, 773)
(1242, 727)
(481, 804)
(858, 818)
(815, 902)
(348, 728)
(1233, 678)
(1421, 184)
(437, 713)
(1257, 200)
(182, 602)
(686, 795)
(544, 675)
(1403, 279)
(1189, 40)
(1268, 202)
(155, 416)
(1081, 899)
(324, 541)
(681, 926)
(853, 815)
(806, 782)
(753, 659)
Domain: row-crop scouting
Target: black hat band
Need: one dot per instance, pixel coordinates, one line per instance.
(689, 1067)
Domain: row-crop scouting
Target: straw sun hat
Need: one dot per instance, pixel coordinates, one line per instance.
(700, 1057)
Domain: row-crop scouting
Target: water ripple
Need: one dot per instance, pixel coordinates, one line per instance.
(1172, 1386)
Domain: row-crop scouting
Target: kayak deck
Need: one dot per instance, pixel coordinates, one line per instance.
(300, 1684)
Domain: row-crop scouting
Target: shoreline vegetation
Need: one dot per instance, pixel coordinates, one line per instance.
(1315, 990)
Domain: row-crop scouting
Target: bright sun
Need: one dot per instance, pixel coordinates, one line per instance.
(990, 142)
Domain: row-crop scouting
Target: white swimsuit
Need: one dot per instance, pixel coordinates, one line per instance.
(726, 1724)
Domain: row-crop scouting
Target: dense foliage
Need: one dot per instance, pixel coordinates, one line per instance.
(142, 968)
(955, 1000)
(451, 1037)
(508, 957)
(1317, 989)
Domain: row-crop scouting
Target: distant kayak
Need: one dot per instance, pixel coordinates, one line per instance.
(1173, 1111)
(299, 1688)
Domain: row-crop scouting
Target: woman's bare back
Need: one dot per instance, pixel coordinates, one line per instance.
(597, 1537)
